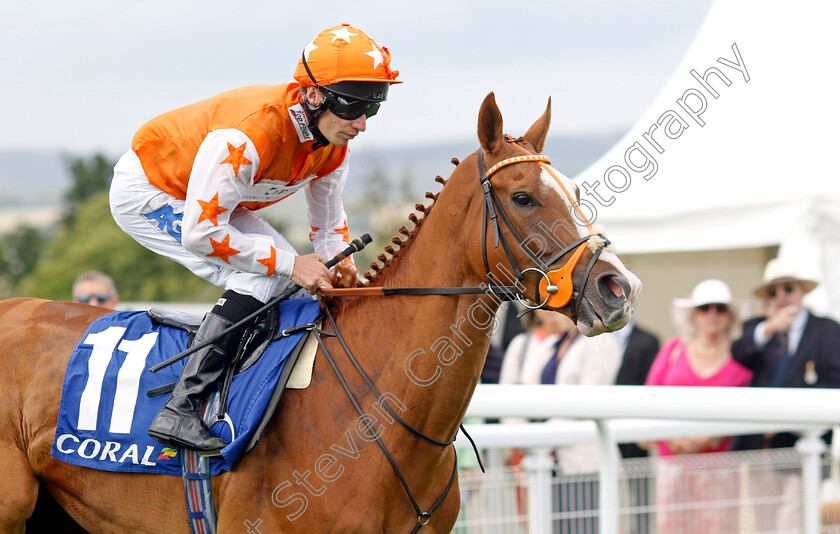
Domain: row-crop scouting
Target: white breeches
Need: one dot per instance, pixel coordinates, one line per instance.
(153, 218)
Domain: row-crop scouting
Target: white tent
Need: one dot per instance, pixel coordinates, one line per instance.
(735, 158)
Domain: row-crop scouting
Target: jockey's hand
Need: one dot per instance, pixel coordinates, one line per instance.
(310, 273)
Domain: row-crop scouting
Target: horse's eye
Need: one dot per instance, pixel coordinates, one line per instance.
(522, 199)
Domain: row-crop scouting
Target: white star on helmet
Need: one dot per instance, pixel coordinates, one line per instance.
(343, 33)
(375, 54)
(309, 48)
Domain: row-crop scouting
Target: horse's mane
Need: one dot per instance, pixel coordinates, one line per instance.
(345, 276)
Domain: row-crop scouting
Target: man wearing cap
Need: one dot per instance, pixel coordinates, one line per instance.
(194, 176)
(789, 347)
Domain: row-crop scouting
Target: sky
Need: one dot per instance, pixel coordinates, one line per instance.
(83, 76)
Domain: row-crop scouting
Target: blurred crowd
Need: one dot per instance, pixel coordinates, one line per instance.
(717, 344)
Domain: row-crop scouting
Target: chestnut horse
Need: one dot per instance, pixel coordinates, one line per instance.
(317, 467)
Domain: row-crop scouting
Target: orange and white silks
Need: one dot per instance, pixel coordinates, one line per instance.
(243, 150)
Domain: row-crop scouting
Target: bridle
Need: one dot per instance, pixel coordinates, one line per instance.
(556, 283)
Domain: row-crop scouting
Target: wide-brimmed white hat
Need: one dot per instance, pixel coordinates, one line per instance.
(778, 271)
(711, 291)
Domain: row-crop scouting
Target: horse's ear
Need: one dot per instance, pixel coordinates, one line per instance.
(490, 125)
(539, 130)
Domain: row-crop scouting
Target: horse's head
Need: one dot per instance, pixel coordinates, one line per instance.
(536, 231)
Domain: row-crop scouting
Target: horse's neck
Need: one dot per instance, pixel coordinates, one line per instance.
(430, 350)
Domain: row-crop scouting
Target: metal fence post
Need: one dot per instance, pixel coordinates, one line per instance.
(810, 447)
(608, 473)
(538, 464)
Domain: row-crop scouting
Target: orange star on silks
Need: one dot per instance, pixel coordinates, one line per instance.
(344, 232)
(269, 261)
(211, 210)
(222, 249)
(236, 157)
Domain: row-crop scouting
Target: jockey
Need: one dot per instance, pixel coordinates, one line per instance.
(189, 186)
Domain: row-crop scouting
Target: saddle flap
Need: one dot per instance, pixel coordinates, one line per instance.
(257, 339)
(176, 319)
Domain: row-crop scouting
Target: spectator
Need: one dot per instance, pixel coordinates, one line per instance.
(528, 352)
(525, 358)
(699, 356)
(584, 361)
(97, 289)
(788, 347)
(639, 347)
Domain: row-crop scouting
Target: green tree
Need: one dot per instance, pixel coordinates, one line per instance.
(92, 240)
(20, 252)
(90, 176)
(377, 186)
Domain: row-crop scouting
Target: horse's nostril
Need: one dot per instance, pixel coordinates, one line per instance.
(611, 288)
(615, 287)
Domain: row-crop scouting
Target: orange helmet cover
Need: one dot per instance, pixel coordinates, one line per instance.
(344, 53)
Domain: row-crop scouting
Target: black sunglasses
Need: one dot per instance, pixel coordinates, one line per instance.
(348, 108)
(86, 298)
(720, 308)
(788, 288)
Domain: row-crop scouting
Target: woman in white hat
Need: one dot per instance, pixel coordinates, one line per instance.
(700, 356)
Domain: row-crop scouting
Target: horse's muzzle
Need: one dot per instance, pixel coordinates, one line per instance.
(607, 305)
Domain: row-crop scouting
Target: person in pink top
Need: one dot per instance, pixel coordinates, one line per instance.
(700, 356)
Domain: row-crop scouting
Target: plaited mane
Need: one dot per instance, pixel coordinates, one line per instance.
(388, 263)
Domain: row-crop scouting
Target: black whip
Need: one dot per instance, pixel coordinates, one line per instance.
(355, 246)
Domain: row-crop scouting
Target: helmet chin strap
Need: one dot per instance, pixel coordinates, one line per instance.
(312, 114)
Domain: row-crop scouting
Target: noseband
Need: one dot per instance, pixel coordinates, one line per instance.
(556, 283)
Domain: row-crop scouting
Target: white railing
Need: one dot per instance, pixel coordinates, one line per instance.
(626, 414)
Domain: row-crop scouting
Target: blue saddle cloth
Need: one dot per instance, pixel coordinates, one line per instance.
(104, 412)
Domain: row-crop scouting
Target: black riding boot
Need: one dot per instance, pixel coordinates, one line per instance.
(178, 423)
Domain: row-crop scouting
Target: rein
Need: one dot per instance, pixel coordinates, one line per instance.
(423, 518)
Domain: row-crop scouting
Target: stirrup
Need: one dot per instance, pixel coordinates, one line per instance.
(218, 452)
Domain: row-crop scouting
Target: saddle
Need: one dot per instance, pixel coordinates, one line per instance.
(256, 339)
(263, 331)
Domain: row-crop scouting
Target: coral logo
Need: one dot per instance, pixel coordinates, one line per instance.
(167, 453)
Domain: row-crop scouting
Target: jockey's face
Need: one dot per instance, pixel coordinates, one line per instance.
(340, 131)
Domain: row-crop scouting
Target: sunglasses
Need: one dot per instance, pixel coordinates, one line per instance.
(788, 288)
(86, 298)
(348, 108)
(720, 308)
